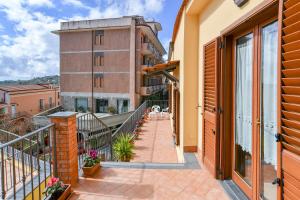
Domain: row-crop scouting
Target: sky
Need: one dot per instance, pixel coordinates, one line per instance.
(28, 49)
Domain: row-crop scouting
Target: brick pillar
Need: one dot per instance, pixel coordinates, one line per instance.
(66, 146)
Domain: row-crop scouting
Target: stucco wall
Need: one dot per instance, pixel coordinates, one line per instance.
(217, 16)
(30, 102)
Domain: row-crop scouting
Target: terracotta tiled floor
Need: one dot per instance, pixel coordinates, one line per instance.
(155, 142)
(164, 184)
(154, 145)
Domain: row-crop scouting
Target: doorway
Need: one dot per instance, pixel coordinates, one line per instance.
(254, 152)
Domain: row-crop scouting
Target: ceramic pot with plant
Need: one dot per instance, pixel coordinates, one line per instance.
(91, 163)
(123, 148)
(57, 190)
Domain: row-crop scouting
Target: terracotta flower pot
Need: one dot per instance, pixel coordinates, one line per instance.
(62, 195)
(89, 171)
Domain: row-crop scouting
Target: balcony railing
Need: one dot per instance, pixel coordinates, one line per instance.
(148, 90)
(26, 162)
(93, 134)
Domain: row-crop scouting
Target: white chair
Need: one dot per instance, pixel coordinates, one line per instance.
(164, 111)
(154, 110)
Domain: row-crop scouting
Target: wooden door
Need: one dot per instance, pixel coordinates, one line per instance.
(210, 106)
(289, 100)
(176, 115)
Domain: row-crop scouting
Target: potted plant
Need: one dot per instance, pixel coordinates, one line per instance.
(123, 148)
(91, 163)
(112, 110)
(56, 190)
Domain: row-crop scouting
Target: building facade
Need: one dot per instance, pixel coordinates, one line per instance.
(101, 63)
(237, 92)
(27, 100)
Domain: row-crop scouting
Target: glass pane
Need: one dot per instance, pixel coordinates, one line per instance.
(81, 104)
(243, 107)
(268, 110)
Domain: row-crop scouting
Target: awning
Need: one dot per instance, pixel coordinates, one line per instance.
(164, 69)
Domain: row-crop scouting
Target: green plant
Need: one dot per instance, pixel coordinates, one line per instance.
(111, 110)
(92, 159)
(123, 148)
(54, 187)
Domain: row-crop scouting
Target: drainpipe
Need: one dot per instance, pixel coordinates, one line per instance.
(92, 71)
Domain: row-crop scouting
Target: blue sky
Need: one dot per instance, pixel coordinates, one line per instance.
(28, 48)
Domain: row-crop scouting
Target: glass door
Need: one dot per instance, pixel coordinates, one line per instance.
(243, 108)
(268, 110)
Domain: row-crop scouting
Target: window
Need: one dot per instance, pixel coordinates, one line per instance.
(50, 101)
(101, 105)
(122, 105)
(99, 59)
(98, 80)
(99, 37)
(81, 104)
(41, 104)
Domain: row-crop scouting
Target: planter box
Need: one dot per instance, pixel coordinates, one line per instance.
(89, 171)
(65, 194)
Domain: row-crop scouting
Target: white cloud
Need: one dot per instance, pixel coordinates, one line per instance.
(47, 3)
(33, 50)
(76, 3)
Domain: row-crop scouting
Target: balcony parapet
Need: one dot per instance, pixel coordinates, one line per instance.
(149, 90)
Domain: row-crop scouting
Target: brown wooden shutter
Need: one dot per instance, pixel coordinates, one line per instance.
(176, 115)
(289, 98)
(210, 106)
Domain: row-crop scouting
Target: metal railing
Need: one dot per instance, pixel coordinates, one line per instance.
(131, 123)
(93, 134)
(26, 162)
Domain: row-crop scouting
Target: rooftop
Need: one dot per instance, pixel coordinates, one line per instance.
(16, 88)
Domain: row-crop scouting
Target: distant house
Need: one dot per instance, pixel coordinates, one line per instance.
(27, 99)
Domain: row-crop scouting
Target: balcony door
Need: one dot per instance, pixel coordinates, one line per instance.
(255, 111)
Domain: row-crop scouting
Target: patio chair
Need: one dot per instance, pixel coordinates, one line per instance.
(164, 111)
(154, 110)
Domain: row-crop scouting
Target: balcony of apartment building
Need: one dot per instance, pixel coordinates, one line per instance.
(152, 86)
(155, 170)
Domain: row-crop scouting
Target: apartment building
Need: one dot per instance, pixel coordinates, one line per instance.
(101, 63)
(27, 100)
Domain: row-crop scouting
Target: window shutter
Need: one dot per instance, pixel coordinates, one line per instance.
(210, 106)
(289, 99)
(176, 115)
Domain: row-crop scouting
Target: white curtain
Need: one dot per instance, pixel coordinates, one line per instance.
(244, 82)
(269, 92)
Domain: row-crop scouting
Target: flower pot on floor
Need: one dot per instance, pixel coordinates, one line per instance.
(61, 195)
(89, 171)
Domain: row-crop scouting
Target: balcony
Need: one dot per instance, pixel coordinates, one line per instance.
(147, 48)
(156, 171)
(149, 90)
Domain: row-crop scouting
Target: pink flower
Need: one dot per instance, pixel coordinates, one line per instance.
(93, 154)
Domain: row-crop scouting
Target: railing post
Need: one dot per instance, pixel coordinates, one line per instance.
(66, 146)
(2, 175)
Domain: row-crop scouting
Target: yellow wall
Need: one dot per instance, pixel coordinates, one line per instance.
(178, 54)
(185, 50)
(36, 191)
(217, 16)
(201, 22)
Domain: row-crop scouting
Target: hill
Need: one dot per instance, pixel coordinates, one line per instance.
(38, 80)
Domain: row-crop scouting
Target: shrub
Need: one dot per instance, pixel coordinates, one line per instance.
(111, 110)
(123, 148)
